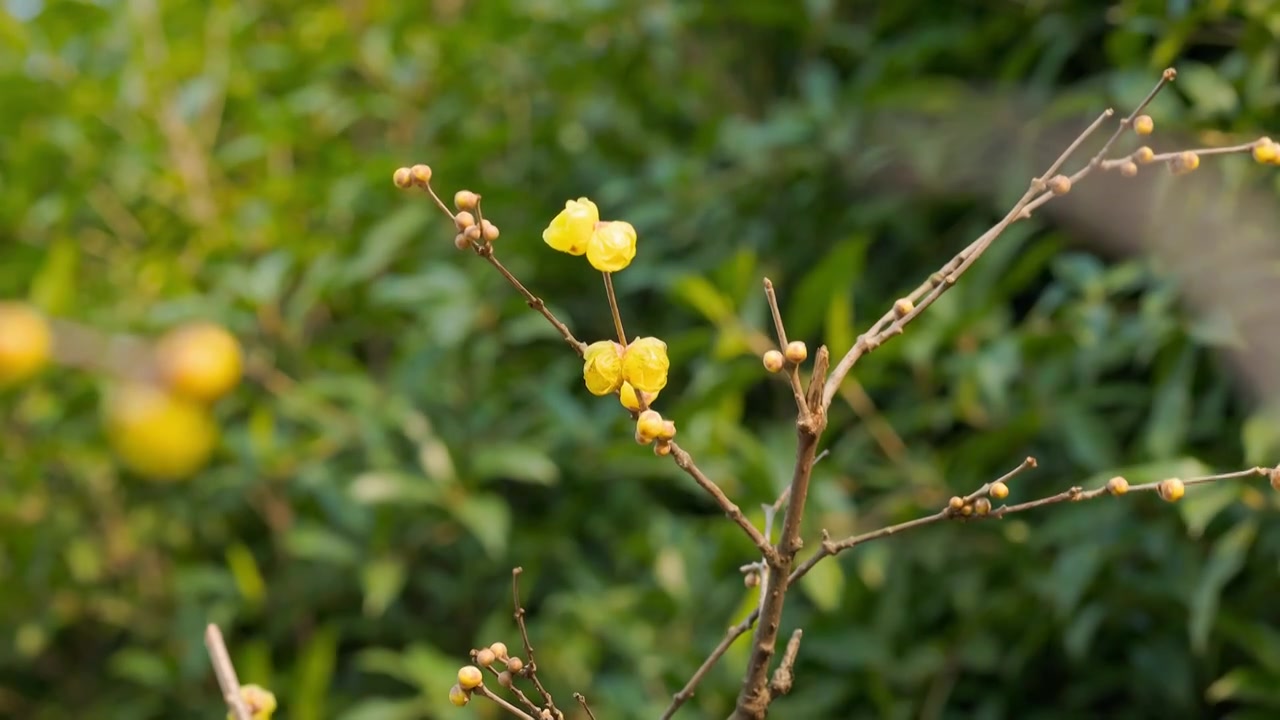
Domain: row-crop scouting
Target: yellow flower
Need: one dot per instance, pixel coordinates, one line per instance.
(612, 246)
(571, 230)
(627, 396)
(602, 367)
(645, 364)
(260, 702)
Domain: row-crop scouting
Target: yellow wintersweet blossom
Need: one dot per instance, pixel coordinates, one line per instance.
(571, 230)
(645, 364)
(612, 246)
(260, 702)
(602, 367)
(631, 401)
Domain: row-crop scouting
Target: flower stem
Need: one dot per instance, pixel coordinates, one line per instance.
(613, 307)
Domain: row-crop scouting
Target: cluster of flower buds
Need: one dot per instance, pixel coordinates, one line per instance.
(490, 658)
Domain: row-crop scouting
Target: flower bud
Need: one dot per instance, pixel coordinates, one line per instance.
(403, 177)
(421, 174)
(773, 361)
(466, 200)
(797, 351)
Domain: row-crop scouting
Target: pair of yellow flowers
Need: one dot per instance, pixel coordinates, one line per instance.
(609, 246)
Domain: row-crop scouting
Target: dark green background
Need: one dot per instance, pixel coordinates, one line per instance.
(161, 161)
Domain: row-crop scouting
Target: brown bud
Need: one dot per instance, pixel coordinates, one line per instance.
(773, 361)
(998, 490)
(1275, 478)
(464, 220)
(473, 233)
(1184, 162)
(485, 657)
(902, 307)
(751, 579)
(1117, 485)
(515, 664)
(982, 506)
(1144, 155)
(421, 174)
(466, 200)
(1128, 168)
(490, 231)
(499, 650)
(1060, 184)
(1171, 490)
(797, 351)
(956, 503)
(403, 177)
(461, 242)
(504, 678)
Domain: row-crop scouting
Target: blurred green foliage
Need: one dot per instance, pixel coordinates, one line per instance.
(412, 431)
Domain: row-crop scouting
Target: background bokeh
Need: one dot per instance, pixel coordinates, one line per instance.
(409, 431)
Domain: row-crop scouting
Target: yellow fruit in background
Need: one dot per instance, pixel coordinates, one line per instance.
(159, 435)
(25, 342)
(201, 361)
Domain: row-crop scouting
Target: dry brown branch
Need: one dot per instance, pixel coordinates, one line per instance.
(530, 669)
(226, 672)
(582, 700)
(502, 703)
(785, 675)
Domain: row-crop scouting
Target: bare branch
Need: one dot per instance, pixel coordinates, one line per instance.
(904, 311)
(225, 671)
(956, 511)
(502, 703)
(733, 633)
(582, 700)
(685, 462)
(785, 675)
(793, 374)
(530, 667)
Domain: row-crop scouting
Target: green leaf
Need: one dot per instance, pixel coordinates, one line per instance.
(1245, 684)
(1226, 560)
(1261, 438)
(828, 282)
(1203, 503)
(824, 585)
(704, 297)
(382, 580)
(1208, 90)
(141, 666)
(1171, 408)
(244, 568)
(314, 673)
(488, 519)
(384, 709)
(312, 542)
(385, 240)
(515, 461)
(1072, 574)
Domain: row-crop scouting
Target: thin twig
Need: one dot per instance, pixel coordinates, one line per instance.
(893, 321)
(502, 702)
(613, 309)
(785, 675)
(534, 301)
(793, 374)
(531, 667)
(225, 672)
(685, 462)
(582, 700)
(733, 633)
(1073, 494)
